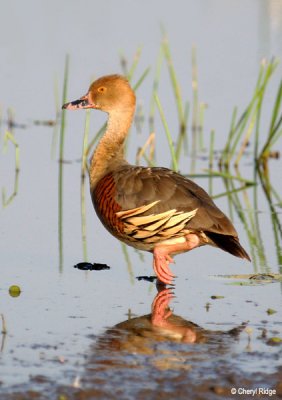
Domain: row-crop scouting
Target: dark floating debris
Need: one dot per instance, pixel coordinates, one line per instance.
(45, 122)
(146, 278)
(86, 266)
(15, 125)
(216, 297)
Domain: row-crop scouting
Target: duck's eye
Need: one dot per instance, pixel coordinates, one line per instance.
(102, 89)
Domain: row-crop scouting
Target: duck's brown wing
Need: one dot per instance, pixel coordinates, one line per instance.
(151, 204)
(137, 186)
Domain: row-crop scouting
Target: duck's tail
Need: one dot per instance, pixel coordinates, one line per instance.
(228, 243)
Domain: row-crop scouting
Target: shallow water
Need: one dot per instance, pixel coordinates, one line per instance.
(104, 334)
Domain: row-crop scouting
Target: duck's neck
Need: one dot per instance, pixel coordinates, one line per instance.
(109, 154)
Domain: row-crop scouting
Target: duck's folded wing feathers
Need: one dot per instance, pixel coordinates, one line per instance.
(160, 190)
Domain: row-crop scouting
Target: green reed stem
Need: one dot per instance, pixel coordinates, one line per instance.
(135, 63)
(186, 117)
(174, 81)
(248, 134)
(195, 84)
(257, 129)
(274, 140)
(168, 135)
(128, 263)
(254, 235)
(61, 164)
(227, 175)
(58, 113)
(155, 90)
(84, 168)
(182, 140)
(1, 120)
(150, 162)
(275, 124)
(235, 201)
(255, 118)
(228, 193)
(250, 116)
(9, 137)
(276, 224)
(4, 326)
(225, 154)
(202, 109)
(211, 157)
(195, 109)
(211, 152)
(141, 79)
(64, 99)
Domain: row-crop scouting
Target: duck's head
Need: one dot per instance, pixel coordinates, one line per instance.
(109, 93)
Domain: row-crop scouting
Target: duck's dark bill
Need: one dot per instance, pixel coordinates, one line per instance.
(83, 102)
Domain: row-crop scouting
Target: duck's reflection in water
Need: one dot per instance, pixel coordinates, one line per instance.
(159, 353)
(162, 334)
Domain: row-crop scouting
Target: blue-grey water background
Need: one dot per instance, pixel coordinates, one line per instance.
(60, 307)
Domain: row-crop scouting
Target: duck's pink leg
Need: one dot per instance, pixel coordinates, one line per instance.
(162, 256)
(161, 263)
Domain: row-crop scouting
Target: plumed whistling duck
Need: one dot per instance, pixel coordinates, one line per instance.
(152, 209)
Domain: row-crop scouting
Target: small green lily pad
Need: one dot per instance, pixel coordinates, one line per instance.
(217, 297)
(14, 291)
(274, 341)
(270, 311)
